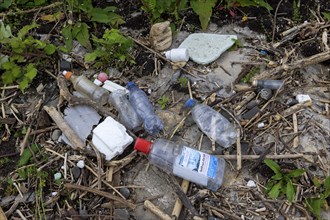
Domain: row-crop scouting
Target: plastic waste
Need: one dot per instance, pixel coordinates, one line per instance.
(301, 98)
(83, 85)
(126, 112)
(266, 93)
(213, 124)
(185, 162)
(144, 109)
(177, 55)
(269, 84)
(111, 86)
(110, 138)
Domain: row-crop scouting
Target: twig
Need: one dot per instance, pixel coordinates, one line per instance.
(100, 193)
(154, 209)
(99, 166)
(239, 152)
(255, 157)
(232, 216)
(178, 204)
(295, 130)
(23, 144)
(55, 4)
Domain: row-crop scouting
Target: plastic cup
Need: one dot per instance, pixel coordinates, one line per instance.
(177, 55)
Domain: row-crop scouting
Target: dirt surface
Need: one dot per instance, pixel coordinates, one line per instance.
(133, 178)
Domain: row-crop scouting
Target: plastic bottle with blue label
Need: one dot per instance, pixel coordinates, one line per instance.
(185, 162)
(144, 109)
(127, 114)
(213, 124)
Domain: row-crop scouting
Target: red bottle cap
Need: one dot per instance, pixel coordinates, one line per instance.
(142, 145)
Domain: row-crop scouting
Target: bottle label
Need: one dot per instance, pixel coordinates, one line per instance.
(200, 162)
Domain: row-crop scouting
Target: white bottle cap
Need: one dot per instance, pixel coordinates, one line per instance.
(177, 55)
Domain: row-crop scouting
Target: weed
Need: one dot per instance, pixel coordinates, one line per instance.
(163, 101)
(253, 71)
(183, 82)
(296, 11)
(4, 161)
(249, 3)
(281, 182)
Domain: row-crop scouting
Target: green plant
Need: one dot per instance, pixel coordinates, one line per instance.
(315, 204)
(326, 15)
(253, 71)
(112, 47)
(163, 101)
(249, 3)
(17, 64)
(183, 81)
(296, 11)
(282, 182)
(203, 8)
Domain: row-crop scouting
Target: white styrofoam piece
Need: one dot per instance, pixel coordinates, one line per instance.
(110, 138)
(251, 184)
(111, 86)
(301, 98)
(81, 164)
(97, 82)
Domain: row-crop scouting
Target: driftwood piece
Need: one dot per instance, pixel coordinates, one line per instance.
(76, 142)
(178, 204)
(154, 209)
(293, 109)
(100, 193)
(315, 59)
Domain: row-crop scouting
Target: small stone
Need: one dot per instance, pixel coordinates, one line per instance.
(81, 164)
(56, 134)
(125, 192)
(251, 184)
(57, 176)
(206, 48)
(122, 214)
(76, 172)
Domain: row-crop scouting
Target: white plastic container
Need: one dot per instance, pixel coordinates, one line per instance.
(185, 162)
(111, 86)
(110, 138)
(177, 55)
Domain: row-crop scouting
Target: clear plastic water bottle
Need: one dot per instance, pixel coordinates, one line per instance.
(126, 112)
(185, 162)
(213, 124)
(144, 109)
(83, 85)
(269, 83)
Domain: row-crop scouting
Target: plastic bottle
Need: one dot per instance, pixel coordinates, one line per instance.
(83, 85)
(126, 112)
(185, 162)
(144, 109)
(269, 84)
(213, 124)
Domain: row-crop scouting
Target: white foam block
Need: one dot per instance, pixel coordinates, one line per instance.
(301, 98)
(110, 138)
(111, 86)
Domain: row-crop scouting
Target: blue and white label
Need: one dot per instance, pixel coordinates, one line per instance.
(199, 162)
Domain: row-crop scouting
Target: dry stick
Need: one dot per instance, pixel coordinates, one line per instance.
(295, 130)
(246, 100)
(100, 193)
(154, 209)
(293, 109)
(255, 157)
(232, 216)
(274, 23)
(65, 128)
(43, 130)
(239, 151)
(23, 144)
(178, 204)
(55, 4)
(315, 59)
(2, 214)
(99, 166)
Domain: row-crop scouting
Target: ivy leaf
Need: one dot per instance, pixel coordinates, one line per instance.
(275, 191)
(50, 49)
(290, 192)
(295, 173)
(81, 33)
(203, 8)
(273, 165)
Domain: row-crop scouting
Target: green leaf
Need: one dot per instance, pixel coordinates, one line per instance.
(317, 182)
(277, 176)
(290, 192)
(90, 57)
(326, 15)
(5, 31)
(31, 72)
(23, 84)
(50, 49)
(81, 33)
(327, 187)
(3, 59)
(26, 30)
(26, 155)
(295, 173)
(315, 206)
(273, 165)
(68, 39)
(275, 191)
(5, 4)
(203, 8)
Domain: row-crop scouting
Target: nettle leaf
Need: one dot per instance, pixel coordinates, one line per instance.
(295, 173)
(275, 191)
(203, 8)
(25, 30)
(5, 31)
(290, 192)
(81, 33)
(50, 49)
(273, 165)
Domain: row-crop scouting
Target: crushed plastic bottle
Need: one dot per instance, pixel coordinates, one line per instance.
(144, 109)
(269, 84)
(86, 87)
(213, 124)
(126, 112)
(185, 162)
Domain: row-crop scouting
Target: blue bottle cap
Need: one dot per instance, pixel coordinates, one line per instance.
(130, 84)
(190, 103)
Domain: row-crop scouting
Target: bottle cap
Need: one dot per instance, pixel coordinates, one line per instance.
(67, 74)
(190, 103)
(130, 84)
(143, 145)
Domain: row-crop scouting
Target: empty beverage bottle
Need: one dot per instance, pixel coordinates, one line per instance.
(144, 109)
(190, 164)
(127, 114)
(213, 124)
(269, 84)
(86, 87)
